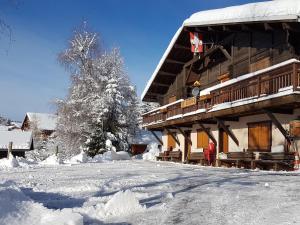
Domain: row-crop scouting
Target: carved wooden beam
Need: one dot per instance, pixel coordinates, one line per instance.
(226, 129)
(278, 125)
(184, 134)
(175, 138)
(157, 138)
(207, 131)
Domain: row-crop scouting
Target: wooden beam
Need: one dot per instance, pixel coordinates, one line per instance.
(287, 26)
(182, 47)
(167, 73)
(157, 138)
(184, 134)
(231, 119)
(268, 26)
(227, 55)
(225, 128)
(207, 131)
(159, 84)
(278, 125)
(282, 111)
(175, 138)
(174, 61)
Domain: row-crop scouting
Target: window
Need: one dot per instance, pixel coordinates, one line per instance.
(171, 141)
(202, 139)
(259, 136)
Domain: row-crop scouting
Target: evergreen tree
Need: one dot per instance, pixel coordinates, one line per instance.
(101, 103)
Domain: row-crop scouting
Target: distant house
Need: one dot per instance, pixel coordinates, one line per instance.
(139, 143)
(22, 142)
(43, 122)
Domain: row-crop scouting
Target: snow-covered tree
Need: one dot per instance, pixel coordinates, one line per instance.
(101, 102)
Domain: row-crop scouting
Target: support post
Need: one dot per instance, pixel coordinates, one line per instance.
(225, 128)
(278, 125)
(169, 132)
(208, 133)
(186, 137)
(9, 149)
(157, 138)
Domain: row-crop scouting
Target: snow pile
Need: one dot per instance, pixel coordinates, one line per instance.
(10, 162)
(16, 208)
(52, 160)
(80, 158)
(152, 152)
(97, 158)
(123, 203)
(113, 155)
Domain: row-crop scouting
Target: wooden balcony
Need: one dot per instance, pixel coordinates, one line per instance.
(265, 84)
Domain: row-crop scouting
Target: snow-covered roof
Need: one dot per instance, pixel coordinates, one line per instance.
(278, 10)
(260, 11)
(44, 121)
(145, 137)
(22, 140)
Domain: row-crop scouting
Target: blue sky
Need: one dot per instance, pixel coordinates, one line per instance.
(30, 76)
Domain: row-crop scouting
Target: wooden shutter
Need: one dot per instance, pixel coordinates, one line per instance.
(259, 136)
(202, 139)
(171, 141)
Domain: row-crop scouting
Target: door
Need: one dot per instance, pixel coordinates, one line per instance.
(187, 145)
(223, 140)
(171, 141)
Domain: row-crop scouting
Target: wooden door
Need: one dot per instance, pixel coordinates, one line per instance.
(260, 136)
(187, 145)
(223, 140)
(171, 141)
(202, 139)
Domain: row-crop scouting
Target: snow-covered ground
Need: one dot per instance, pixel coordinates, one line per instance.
(144, 192)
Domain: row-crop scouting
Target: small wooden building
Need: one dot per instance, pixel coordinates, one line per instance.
(22, 142)
(239, 91)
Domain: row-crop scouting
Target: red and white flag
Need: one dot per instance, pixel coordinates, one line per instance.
(196, 42)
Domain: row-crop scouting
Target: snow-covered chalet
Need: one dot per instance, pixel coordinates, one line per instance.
(43, 122)
(231, 77)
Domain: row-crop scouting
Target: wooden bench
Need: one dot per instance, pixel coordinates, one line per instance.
(266, 161)
(196, 157)
(237, 159)
(175, 156)
(169, 156)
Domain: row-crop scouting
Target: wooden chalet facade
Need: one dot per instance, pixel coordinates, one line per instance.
(249, 80)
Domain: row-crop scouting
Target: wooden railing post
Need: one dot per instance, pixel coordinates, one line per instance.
(258, 86)
(295, 77)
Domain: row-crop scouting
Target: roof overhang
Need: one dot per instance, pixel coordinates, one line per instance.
(261, 12)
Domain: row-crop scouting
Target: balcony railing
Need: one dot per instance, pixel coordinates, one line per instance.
(257, 85)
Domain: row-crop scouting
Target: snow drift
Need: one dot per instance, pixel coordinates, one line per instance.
(52, 160)
(123, 203)
(10, 162)
(16, 208)
(152, 152)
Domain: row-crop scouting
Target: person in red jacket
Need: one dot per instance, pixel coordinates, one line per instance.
(209, 153)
